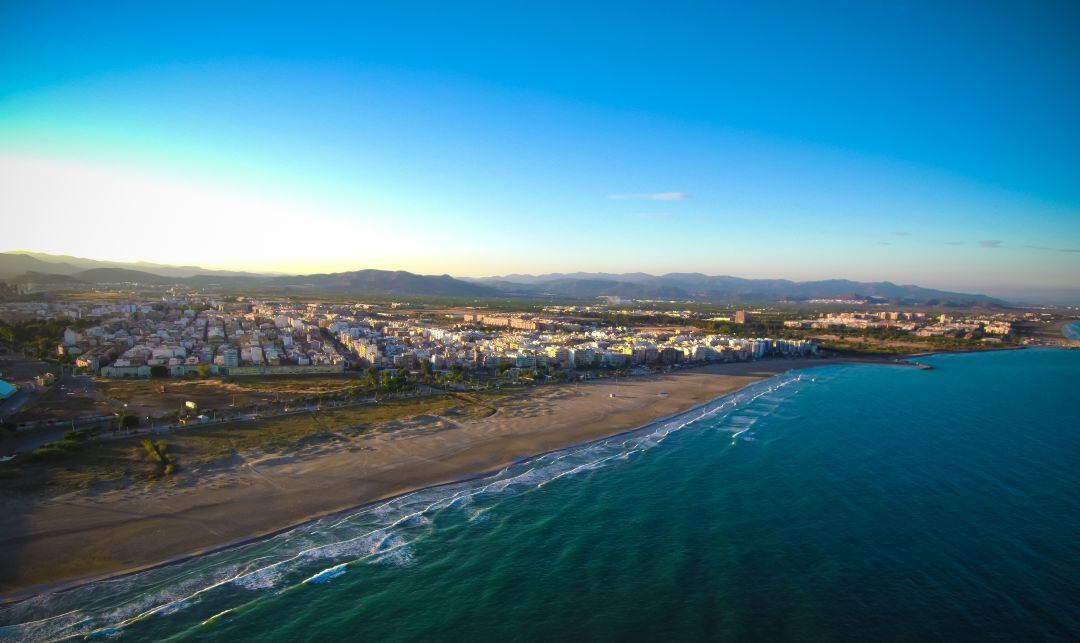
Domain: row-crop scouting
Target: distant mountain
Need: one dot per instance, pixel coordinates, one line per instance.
(593, 288)
(680, 286)
(722, 288)
(631, 277)
(125, 276)
(66, 264)
(13, 265)
(386, 282)
(359, 282)
(45, 278)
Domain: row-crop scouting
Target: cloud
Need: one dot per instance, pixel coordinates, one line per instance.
(954, 243)
(883, 243)
(659, 196)
(901, 233)
(1038, 247)
(990, 243)
(1068, 249)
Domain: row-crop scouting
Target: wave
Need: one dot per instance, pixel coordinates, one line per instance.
(220, 584)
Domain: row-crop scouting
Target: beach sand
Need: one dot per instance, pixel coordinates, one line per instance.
(52, 543)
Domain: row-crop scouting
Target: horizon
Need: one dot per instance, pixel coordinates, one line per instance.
(1038, 296)
(899, 144)
(1065, 296)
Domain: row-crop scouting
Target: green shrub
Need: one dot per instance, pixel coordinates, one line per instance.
(76, 435)
(55, 450)
(158, 453)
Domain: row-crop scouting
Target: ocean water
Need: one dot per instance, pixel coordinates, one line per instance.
(1072, 331)
(839, 503)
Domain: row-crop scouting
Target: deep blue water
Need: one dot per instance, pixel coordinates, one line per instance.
(844, 502)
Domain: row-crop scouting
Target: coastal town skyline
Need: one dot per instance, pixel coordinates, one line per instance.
(302, 145)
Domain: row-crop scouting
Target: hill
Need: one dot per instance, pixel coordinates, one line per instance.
(386, 282)
(13, 265)
(724, 288)
(11, 262)
(46, 278)
(124, 276)
(680, 286)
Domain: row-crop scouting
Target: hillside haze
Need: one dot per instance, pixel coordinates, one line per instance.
(56, 271)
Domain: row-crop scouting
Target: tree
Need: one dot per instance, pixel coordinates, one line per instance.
(425, 369)
(204, 370)
(157, 370)
(399, 381)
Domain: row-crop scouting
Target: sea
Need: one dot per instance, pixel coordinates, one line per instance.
(1072, 331)
(843, 502)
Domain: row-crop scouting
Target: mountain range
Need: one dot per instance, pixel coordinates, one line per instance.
(59, 270)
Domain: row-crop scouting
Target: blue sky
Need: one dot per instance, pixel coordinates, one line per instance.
(934, 143)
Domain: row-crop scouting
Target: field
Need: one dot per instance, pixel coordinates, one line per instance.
(70, 398)
(15, 368)
(855, 343)
(123, 460)
(158, 397)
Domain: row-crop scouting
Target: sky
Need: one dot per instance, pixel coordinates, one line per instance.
(933, 143)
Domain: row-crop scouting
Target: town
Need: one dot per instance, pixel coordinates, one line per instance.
(988, 328)
(200, 337)
(68, 372)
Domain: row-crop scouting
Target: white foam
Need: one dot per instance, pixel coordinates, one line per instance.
(386, 533)
(327, 574)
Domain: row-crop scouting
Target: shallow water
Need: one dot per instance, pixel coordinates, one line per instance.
(1072, 331)
(842, 502)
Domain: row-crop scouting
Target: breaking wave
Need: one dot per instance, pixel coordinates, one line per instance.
(215, 585)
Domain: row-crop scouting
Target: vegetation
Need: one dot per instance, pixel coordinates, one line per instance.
(38, 338)
(156, 397)
(77, 462)
(158, 453)
(72, 442)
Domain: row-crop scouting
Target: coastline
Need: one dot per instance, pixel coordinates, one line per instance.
(73, 530)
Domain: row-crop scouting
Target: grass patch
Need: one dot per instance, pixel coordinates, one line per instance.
(167, 395)
(80, 463)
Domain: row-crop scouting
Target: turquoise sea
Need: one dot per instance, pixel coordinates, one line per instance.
(862, 502)
(1072, 331)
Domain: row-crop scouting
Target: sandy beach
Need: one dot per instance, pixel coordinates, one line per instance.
(53, 543)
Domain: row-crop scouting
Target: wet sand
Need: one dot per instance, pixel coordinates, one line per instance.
(68, 540)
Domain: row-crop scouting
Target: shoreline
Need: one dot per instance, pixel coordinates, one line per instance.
(21, 592)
